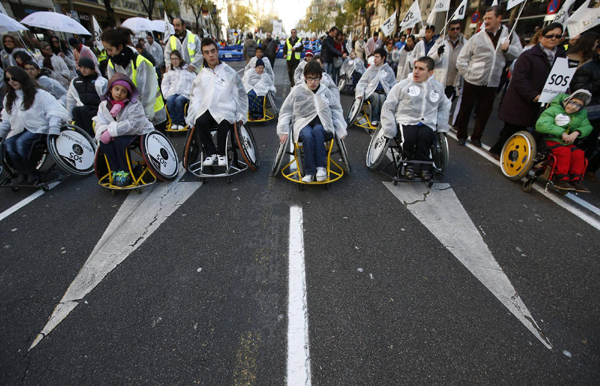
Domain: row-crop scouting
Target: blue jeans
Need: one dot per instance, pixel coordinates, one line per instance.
(315, 154)
(175, 106)
(376, 103)
(18, 148)
(116, 152)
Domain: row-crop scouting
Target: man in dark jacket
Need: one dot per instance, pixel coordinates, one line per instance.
(328, 51)
(292, 52)
(587, 77)
(270, 48)
(520, 108)
(249, 49)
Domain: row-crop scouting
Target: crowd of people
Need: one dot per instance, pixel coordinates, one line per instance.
(126, 90)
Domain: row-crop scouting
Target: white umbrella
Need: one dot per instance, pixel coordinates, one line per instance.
(159, 26)
(8, 24)
(138, 24)
(56, 22)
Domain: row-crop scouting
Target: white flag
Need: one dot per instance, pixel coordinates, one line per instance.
(460, 12)
(97, 34)
(512, 3)
(167, 33)
(494, 3)
(441, 6)
(412, 17)
(2, 10)
(389, 25)
(583, 19)
(563, 14)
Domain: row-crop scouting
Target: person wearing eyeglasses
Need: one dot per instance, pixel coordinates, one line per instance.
(481, 63)
(562, 124)
(11, 45)
(520, 108)
(444, 53)
(28, 114)
(313, 112)
(219, 100)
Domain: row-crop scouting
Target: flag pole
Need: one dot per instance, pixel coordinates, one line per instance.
(517, 20)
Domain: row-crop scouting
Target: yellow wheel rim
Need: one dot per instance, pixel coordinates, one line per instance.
(516, 156)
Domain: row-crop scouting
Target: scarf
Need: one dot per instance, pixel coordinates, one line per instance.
(123, 58)
(117, 106)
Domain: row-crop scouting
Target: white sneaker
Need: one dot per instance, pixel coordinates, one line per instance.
(308, 178)
(321, 174)
(210, 160)
(179, 127)
(374, 123)
(222, 160)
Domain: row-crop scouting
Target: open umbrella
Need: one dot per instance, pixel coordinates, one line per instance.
(159, 26)
(8, 24)
(137, 24)
(56, 22)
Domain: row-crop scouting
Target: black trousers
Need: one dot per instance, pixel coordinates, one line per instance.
(204, 124)
(83, 117)
(116, 151)
(417, 142)
(291, 67)
(484, 96)
(508, 130)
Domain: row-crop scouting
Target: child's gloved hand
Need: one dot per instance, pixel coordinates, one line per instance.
(106, 137)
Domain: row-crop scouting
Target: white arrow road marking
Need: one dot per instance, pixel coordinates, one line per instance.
(441, 212)
(298, 356)
(139, 216)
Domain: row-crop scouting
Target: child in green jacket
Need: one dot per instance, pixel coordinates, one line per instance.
(562, 123)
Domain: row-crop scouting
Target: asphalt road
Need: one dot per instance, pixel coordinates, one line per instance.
(470, 282)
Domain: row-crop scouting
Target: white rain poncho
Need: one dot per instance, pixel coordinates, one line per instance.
(129, 121)
(45, 116)
(260, 83)
(440, 72)
(268, 69)
(53, 87)
(61, 72)
(372, 77)
(481, 64)
(351, 65)
(221, 92)
(411, 103)
(299, 72)
(178, 82)
(302, 106)
(405, 64)
(328, 82)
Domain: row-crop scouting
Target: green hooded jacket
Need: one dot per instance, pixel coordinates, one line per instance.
(555, 121)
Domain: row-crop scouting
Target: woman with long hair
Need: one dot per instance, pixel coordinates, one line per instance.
(60, 48)
(11, 45)
(29, 114)
(43, 77)
(177, 87)
(53, 62)
(21, 57)
(122, 59)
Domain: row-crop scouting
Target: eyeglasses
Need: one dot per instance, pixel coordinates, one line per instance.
(455, 29)
(553, 36)
(311, 79)
(9, 79)
(575, 104)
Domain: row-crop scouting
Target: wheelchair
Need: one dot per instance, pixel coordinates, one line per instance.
(169, 128)
(524, 152)
(359, 115)
(345, 85)
(270, 110)
(69, 153)
(381, 147)
(240, 137)
(294, 170)
(150, 157)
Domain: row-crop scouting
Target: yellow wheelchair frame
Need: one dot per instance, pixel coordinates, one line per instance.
(333, 174)
(365, 121)
(170, 122)
(267, 114)
(106, 180)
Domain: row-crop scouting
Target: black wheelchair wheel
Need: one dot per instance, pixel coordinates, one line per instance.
(441, 153)
(279, 156)
(377, 149)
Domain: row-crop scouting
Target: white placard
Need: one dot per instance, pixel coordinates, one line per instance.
(559, 79)
(583, 19)
(563, 14)
(389, 25)
(512, 3)
(412, 17)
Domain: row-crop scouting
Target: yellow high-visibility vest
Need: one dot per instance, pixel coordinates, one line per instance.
(191, 46)
(159, 104)
(288, 56)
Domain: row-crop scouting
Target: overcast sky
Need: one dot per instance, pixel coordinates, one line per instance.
(291, 11)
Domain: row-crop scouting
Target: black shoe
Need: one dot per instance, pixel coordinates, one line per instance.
(476, 142)
(462, 141)
(579, 187)
(425, 175)
(22, 178)
(409, 174)
(563, 185)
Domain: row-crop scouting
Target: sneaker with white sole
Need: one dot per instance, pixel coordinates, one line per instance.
(210, 160)
(321, 174)
(374, 123)
(222, 160)
(308, 178)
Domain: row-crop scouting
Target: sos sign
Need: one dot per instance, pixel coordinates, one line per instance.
(559, 79)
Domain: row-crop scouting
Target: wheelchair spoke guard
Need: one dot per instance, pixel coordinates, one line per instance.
(377, 149)
(160, 156)
(73, 150)
(354, 112)
(343, 153)
(247, 145)
(518, 155)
